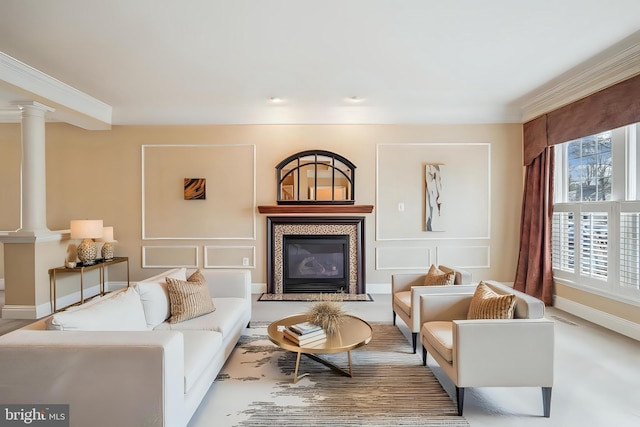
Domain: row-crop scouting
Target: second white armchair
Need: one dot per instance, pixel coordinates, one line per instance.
(407, 288)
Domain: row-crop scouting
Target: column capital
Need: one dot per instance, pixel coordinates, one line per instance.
(33, 105)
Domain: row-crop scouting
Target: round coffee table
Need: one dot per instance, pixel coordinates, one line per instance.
(352, 333)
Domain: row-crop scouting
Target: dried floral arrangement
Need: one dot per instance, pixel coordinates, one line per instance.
(327, 313)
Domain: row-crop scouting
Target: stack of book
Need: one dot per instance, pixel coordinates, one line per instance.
(305, 334)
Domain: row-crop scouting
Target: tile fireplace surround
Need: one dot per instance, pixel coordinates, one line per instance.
(279, 226)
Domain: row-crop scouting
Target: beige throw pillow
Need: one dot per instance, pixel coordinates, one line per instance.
(189, 298)
(437, 277)
(486, 304)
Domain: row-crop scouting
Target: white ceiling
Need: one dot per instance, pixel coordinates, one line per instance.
(216, 61)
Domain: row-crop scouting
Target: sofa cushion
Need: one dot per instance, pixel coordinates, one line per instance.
(155, 296)
(527, 306)
(200, 348)
(440, 335)
(189, 298)
(121, 312)
(437, 277)
(228, 313)
(403, 301)
(487, 304)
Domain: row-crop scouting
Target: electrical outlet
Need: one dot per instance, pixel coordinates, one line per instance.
(245, 261)
(400, 207)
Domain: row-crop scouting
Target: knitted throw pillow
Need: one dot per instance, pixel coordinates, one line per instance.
(486, 304)
(437, 277)
(189, 298)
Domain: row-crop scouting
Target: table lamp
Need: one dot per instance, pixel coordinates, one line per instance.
(107, 238)
(87, 229)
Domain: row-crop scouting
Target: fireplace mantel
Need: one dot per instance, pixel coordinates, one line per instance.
(298, 209)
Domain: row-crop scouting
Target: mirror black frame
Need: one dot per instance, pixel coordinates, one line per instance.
(312, 158)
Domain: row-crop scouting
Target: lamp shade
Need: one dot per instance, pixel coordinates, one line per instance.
(86, 228)
(107, 235)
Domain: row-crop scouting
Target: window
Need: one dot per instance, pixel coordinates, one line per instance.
(596, 216)
(589, 166)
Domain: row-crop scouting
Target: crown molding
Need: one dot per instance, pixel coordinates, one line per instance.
(616, 64)
(71, 105)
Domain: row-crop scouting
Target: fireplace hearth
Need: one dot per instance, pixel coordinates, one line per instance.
(315, 255)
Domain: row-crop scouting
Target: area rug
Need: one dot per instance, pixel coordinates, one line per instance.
(390, 387)
(314, 297)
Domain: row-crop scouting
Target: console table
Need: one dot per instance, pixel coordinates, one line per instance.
(99, 264)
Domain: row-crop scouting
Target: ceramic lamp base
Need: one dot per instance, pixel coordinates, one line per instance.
(87, 252)
(107, 251)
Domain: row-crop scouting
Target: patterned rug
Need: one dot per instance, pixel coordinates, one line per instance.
(390, 387)
(314, 297)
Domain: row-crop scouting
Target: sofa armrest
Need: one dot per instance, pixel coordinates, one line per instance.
(444, 306)
(417, 292)
(92, 371)
(463, 277)
(404, 282)
(228, 282)
(504, 352)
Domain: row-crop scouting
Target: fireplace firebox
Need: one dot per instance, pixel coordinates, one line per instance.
(316, 263)
(315, 255)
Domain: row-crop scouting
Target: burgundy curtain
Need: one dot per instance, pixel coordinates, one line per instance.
(612, 107)
(534, 274)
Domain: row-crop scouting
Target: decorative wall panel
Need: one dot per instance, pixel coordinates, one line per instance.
(227, 212)
(466, 197)
(169, 256)
(404, 258)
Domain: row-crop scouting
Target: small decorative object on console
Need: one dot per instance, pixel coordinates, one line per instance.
(86, 229)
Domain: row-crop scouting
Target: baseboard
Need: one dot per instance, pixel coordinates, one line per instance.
(258, 288)
(372, 288)
(29, 312)
(378, 288)
(606, 320)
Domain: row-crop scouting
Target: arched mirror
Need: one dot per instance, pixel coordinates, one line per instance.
(316, 177)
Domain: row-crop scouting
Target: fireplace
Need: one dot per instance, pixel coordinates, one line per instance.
(315, 255)
(315, 263)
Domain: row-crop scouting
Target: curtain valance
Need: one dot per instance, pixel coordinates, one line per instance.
(610, 108)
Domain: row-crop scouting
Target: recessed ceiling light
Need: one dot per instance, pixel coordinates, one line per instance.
(354, 99)
(276, 100)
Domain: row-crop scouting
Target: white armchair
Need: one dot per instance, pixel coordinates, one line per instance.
(514, 352)
(407, 288)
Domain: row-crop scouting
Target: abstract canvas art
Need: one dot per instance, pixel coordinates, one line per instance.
(195, 189)
(433, 197)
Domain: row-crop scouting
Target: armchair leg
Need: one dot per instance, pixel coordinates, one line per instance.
(424, 356)
(394, 318)
(546, 401)
(414, 337)
(460, 399)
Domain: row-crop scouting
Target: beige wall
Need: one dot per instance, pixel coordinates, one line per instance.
(606, 305)
(97, 175)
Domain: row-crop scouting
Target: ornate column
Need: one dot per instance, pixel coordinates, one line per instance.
(34, 179)
(27, 252)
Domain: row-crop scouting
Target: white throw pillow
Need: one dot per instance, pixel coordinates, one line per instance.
(122, 312)
(154, 295)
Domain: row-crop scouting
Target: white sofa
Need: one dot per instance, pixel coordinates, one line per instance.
(514, 352)
(132, 371)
